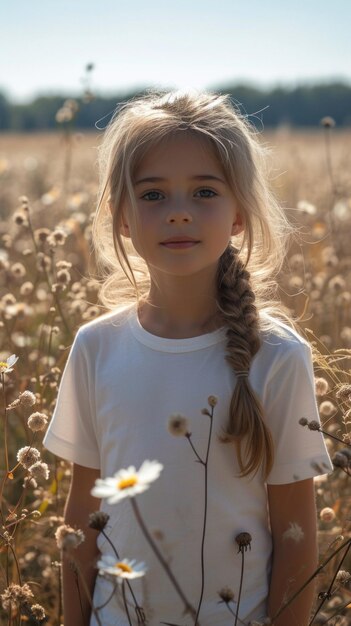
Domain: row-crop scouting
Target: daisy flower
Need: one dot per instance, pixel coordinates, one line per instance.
(7, 366)
(127, 483)
(121, 569)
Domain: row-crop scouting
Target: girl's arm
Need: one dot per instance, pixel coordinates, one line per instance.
(80, 503)
(293, 518)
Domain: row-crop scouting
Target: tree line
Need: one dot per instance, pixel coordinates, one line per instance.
(300, 106)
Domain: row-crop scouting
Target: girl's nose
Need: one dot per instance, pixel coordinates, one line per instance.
(179, 215)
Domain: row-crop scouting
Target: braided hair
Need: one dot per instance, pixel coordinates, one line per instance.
(236, 304)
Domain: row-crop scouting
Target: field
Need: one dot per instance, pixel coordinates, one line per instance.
(48, 186)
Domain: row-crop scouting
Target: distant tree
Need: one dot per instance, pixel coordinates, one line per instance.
(4, 113)
(301, 106)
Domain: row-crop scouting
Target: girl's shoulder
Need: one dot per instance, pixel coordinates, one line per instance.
(102, 326)
(281, 337)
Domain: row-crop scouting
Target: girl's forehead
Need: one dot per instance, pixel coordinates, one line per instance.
(179, 153)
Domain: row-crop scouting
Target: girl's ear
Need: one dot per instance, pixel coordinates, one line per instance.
(238, 225)
(124, 228)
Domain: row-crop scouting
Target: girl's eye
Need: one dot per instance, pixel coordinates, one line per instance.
(151, 196)
(206, 193)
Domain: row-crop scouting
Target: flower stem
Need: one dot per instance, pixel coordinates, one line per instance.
(315, 573)
(328, 592)
(138, 609)
(205, 520)
(240, 586)
(125, 603)
(188, 607)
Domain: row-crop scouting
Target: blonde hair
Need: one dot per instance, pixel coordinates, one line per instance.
(245, 277)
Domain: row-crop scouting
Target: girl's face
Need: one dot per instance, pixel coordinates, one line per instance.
(186, 212)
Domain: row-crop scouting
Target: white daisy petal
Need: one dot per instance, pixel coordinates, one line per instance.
(121, 569)
(127, 483)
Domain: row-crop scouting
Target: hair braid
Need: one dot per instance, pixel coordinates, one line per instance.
(236, 304)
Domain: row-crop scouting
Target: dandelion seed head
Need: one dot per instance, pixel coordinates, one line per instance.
(38, 612)
(30, 482)
(27, 456)
(41, 235)
(303, 421)
(18, 270)
(26, 288)
(327, 122)
(19, 595)
(294, 532)
(178, 425)
(39, 470)
(337, 283)
(63, 277)
(226, 595)
(37, 421)
(59, 236)
(27, 398)
(212, 400)
(68, 538)
(343, 577)
(20, 218)
(306, 208)
(321, 386)
(327, 515)
(327, 408)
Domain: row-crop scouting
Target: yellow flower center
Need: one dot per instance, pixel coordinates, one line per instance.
(124, 567)
(127, 482)
(3, 364)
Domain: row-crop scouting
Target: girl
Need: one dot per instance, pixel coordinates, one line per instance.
(183, 180)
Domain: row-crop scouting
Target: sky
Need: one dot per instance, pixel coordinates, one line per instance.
(46, 44)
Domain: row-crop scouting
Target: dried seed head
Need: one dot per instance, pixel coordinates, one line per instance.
(37, 421)
(244, 541)
(327, 515)
(212, 400)
(328, 122)
(314, 425)
(39, 470)
(322, 386)
(27, 398)
(63, 277)
(16, 595)
(68, 538)
(38, 612)
(303, 421)
(340, 460)
(27, 456)
(98, 520)
(178, 425)
(226, 595)
(327, 408)
(343, 577)
(344, 392)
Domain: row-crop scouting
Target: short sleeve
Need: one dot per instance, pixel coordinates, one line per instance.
(71, 434)
(299, 453)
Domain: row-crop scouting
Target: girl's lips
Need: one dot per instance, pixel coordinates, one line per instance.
(179, 244)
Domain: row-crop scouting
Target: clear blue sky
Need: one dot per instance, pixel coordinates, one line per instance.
(45, 44)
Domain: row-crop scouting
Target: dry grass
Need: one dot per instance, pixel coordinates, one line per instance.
(40, 309)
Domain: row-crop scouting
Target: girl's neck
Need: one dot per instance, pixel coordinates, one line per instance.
(180, 308)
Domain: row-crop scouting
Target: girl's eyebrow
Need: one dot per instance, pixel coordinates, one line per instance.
(157, 179)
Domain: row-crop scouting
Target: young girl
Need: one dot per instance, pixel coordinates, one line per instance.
(185, 211)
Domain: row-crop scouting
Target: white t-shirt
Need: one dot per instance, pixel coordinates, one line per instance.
(119, 387)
